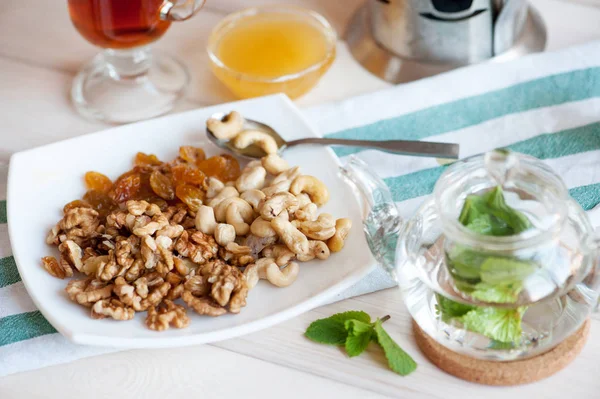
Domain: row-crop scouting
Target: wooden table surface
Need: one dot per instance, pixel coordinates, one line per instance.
(39, 54)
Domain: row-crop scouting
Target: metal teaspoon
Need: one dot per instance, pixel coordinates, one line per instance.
(404, 147)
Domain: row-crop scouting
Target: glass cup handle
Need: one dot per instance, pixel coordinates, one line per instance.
(180, 10)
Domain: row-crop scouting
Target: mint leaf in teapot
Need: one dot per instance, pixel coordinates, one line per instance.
(485, 275)
(503, 325)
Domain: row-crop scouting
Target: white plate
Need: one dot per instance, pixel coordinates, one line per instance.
(43, 179)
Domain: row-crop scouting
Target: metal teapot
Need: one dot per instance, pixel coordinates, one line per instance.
(402, 40)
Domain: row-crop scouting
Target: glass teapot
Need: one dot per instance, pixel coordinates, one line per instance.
(499, 263)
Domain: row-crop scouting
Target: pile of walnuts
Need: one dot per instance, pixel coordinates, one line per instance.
(144, 257)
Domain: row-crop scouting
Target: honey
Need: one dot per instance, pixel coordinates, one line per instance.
(269, 52)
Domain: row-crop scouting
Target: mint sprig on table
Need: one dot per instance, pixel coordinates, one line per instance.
(354, 330)
(485, 276)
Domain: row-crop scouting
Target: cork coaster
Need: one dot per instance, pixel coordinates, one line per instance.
(503, 373)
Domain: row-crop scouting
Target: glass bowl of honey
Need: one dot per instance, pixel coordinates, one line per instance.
(265, 50)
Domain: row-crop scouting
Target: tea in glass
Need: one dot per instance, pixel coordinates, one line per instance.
(127, 82)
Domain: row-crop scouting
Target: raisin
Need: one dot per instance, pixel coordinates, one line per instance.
(187, 174)
(100, 201)
(190, 195)
(97, 181)
(232, 169)
(191, 154)
(224, 168)
(162, 185)
(75, 204)
(142, 159)
(126, 187)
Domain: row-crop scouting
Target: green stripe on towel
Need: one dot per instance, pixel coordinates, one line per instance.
(587, 196)
(8, 272)
(3, 211)
(20, 327)
(543, 92)
(544, 146)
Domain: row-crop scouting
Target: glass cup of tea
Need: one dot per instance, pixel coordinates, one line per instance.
(128, 82)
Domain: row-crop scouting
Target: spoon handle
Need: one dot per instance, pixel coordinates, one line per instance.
(404, 147)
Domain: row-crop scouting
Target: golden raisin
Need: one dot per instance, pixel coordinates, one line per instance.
(97, 181)
(126, 187)
(191, 154)
(76, 204)
(142, 159)
(100, 201)
(232, 169)
(190, 195)
(162, 185)
(187, 174)
(224, 168)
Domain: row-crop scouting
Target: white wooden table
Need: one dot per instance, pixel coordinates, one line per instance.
(39, 55)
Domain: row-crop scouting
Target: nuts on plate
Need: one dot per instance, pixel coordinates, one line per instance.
(194, 233)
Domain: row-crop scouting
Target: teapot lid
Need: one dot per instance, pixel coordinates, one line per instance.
(528, 184)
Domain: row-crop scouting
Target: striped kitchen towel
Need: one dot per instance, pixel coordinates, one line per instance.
(546, 105)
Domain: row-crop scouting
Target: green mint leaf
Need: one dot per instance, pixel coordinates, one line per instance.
(449, 309)
(332, 330)
(502, 325)
(465, 263)
(472, 209)
(499, 293)
(517, 221)
(352, 315)
(357, 327)
(398, 360)
(357, 343)
(498, 270)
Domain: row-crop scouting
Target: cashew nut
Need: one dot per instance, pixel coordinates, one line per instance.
(261, 139)
(224, 234)
(273, 206)
(290, 236)
(237, 249)
(279, 187)
(282, 278)
(221, 208)
(226, 192)
(318, 249)
(253, 197)
(214, 187)
(289, 174)
(230, 183)
(307, 212)
(342, 228)
(321, 229)
(274, 164)
(251, 178)
(205, 219)
(315, 188)
(280, 253)
(238, 214)
(262, 228)
(228, 127)
(253, 164)
(251, 274)
(303, 199)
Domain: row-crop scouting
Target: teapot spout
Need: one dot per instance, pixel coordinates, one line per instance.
(381, 220)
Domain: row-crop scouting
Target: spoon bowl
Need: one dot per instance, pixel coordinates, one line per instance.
(404, 147)
(252, 151)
